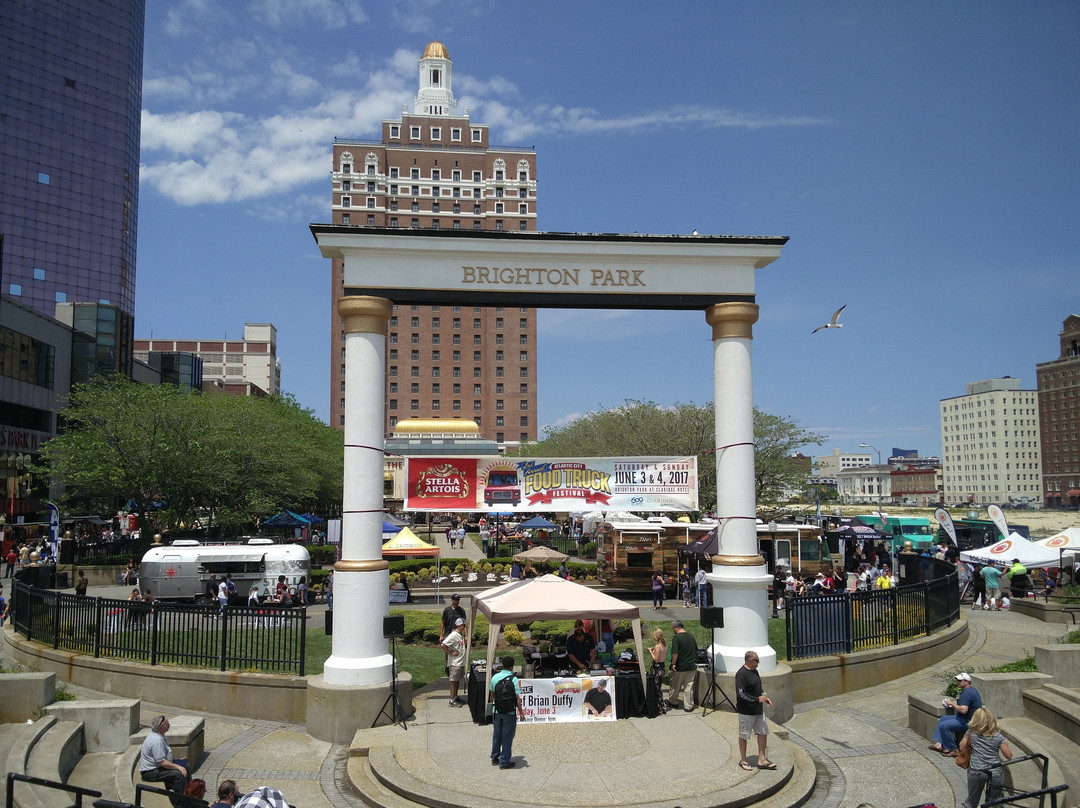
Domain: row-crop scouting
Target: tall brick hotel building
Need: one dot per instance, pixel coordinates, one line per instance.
(435, 169)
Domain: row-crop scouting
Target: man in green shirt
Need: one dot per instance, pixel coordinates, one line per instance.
(683, 667)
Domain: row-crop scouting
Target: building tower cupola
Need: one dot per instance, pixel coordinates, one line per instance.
(436, 95)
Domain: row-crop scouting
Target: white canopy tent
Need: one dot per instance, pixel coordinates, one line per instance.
(1015, 546)
(549, 597)
(1066, 544)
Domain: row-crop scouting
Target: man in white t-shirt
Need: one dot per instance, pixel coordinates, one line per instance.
(454, 646)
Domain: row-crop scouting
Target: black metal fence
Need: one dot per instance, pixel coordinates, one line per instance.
(267, 639)
(817, 625)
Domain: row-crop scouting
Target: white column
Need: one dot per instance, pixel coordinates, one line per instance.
(739, 576)
(362, 578)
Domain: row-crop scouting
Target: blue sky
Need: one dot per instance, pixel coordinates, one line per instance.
(921, 156)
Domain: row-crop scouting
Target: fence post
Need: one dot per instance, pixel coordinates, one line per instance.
(926, 608)
(303, 637)
(56, 620)
(894, 597)
(99, 612)
(153, 633)
(224, 633)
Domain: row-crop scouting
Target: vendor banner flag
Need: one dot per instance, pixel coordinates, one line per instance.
(944, 518)
(497, 483)
(568, 699)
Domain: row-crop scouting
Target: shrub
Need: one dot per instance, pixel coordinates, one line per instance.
(554, 631)
(63, 694)
(512, 635)
(588, 549)
(1072, 637)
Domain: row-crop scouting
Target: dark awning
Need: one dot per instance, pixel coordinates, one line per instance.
(707, 545)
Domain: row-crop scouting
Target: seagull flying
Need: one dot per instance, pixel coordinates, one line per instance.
(832, 322)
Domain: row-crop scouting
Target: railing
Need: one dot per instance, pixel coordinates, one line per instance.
(818, 625)
(265, 638)
(13, 777)
(1017, 797)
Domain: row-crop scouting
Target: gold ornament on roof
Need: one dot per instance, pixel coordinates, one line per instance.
(435, 50)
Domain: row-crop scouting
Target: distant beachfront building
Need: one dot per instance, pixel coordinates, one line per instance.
(990, 444)
(434, 169)
(831, 465)
(1058, 383)
(248, 366)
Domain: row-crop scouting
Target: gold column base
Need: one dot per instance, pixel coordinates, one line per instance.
(362, 566)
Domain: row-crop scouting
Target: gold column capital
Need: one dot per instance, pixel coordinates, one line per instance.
(364, 314)
(362, 566)
(737, 561)
(734, 319)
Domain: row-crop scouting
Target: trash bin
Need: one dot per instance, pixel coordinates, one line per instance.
(328, 625)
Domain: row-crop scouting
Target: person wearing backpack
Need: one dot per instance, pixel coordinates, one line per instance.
(505, 694)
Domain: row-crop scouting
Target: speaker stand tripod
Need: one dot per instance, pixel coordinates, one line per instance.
(396, 714)
(710, 699)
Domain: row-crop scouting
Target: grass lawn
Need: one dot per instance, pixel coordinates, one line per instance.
(427, 662)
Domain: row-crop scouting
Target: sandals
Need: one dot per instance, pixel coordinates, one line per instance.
(768, 765)
(934, 747)
(745, 766)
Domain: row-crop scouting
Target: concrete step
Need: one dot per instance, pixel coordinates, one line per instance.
(382, 782)
(1068, 693)
(23, 742)
(1029, 736)
(57, 751)
(97, 770)
(1056, 708)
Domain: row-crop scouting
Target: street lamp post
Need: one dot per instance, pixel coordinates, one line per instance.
(868, 446)
(772, 530)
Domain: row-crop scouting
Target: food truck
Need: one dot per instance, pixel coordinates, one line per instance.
(628, 553)
(915, 529)
(179, 571)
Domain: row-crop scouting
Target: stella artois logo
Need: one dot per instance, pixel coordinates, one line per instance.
(442, 481)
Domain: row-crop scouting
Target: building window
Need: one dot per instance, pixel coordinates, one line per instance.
(498, 207)
(346, 168)
(435, 223)
(393, 205)
(415, 356)
(498, 224)
(345, 218)
(435, 356)
(523, 356)
(456, 373)
(498, 403)
(523, 373)
(523, 208)
(435, 207)
(477, 176)
(499, 175)
(476, 339)
(476, 406)
(498, 356)
(414, 371)
(476, 356)
(498, 372)
(371, 185)
(393, 221)
(476, 373)
(524, 420)
(455, 134)
(415, 223)
(371, 202)
(523, 225)
(414, 404)
(457, 224)
(414, 132)
(436, 174)
(523, 388)
(346, 185)
(498, 339)
(476, 136)
(476, 225)
(434, 373)
(393, 353)
(498, 193)
(523, 405)
(435, 406)
(455, 175)
(346, 202)
(457, 339)
(393, 370)
(393, 173)
(457, 356)
(395, 131)
(457, 404)
(499, 388)
(393, 403)
(455, 192)
(414, 173)
(371, 218)
(476, 209)
(436, 133)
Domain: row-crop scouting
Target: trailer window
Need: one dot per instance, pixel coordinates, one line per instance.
(639, 560)
(810, 551)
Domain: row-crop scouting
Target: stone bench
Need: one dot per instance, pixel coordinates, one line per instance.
(1003, 693)
(1060, 660)
(25, 695)
(107, 723)
(186, 738)
(924, 710)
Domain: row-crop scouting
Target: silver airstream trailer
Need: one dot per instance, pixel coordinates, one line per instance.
(179, 571)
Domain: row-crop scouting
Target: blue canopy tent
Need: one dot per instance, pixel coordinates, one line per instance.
(286, 519)
(537, 523)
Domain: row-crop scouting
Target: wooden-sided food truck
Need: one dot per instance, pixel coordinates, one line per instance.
(628, 553)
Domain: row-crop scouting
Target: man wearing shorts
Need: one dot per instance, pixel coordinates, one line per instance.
(454, 646)
(749, 703)
(992, 576)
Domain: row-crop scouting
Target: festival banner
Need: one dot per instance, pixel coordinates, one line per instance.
(564, 484)
(944, 518)
(563, 700)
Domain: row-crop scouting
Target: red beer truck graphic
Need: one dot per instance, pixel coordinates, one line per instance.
(502, 486)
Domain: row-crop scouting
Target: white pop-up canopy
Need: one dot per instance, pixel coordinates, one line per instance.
(1015, 546)
(1068, 539)
(550, 597)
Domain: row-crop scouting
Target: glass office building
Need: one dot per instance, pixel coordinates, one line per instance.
(70, 104)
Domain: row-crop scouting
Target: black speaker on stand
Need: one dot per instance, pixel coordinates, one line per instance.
(393, 630)
(712, 618)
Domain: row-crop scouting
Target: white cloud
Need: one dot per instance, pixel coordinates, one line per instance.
(329, 13)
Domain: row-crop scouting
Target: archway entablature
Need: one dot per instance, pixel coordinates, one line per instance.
(558, 270)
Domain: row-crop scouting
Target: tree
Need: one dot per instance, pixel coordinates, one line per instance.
(645, 428)
(186, 458)
(776, 470)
